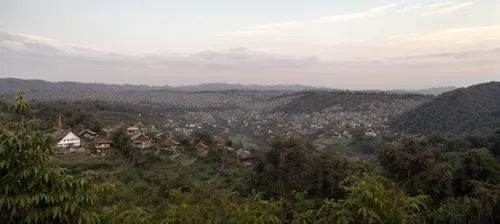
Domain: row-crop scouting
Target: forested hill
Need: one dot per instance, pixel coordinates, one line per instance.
(315, 101)
(472, 109)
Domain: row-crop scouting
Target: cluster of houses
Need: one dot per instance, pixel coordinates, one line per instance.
(68, 138)
(243, 157)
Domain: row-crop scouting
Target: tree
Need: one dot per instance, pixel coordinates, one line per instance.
(411, 163)
(20, 107)
(326, 170)
(34, 191)
(122, 142)
(204, 136)
(437, 139)
(281, 170)
(370, 199)
(476, 165)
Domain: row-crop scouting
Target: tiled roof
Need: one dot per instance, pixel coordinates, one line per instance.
(136, 136)
(102, 140)
(87, 130)
(61, 133)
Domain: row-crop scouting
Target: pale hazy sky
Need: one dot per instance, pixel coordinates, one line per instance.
(353, 44)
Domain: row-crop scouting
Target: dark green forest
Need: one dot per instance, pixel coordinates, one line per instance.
(427, 179)
(466, 110)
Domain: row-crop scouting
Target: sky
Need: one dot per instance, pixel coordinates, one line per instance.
(352, 44)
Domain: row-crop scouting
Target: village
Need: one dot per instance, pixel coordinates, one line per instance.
(99, 143)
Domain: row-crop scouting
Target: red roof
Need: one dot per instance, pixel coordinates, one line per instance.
(201, 145)
(139, 137)
(171, 142)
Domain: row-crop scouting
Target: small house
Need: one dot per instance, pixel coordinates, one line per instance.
(87, 134)
(140, 140)
(201, 148)
(102, 143)
(65, 138)
(171, 144)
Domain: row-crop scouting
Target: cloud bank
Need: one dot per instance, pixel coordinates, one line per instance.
(26, 56)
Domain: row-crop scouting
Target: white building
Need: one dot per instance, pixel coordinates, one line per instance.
(66, 138)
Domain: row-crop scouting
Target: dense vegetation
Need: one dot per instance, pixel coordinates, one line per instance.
(466, 110)
(313, 101)
(93, 114)
(412, 180)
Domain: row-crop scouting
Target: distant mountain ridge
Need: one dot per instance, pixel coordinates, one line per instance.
(12, 85)
(226, 86)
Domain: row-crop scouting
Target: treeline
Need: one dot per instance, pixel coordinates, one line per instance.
(466, 110)
(92, 114)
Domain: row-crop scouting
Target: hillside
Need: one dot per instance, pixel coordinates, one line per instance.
(314, 101)
(472, 109)
(429, 91)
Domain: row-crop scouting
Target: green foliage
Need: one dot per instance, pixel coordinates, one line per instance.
(465, 110)
(370, 199)
(326, 170)
(311, 101)
(34, 192)
(91, 114)
(437, 139)
(20, 107)
(476, 165)
(410, 181)
(482, 206)
(122, 142)
(411, 163)
(282, 168)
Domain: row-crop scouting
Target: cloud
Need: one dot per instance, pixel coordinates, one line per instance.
(56, 61)
(263, 29)
(359, 15)
(411, 8)
(440, 4)
(460, 37)
(276, 25)
(250, 33)
(453, 7)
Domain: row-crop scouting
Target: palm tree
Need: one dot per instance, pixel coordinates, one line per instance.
(20, 107)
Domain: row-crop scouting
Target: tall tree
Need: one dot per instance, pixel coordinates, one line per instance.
(122, 142)
(20, 107)
(281, 170)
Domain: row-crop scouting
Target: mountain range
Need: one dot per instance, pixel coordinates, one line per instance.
(12, 85)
